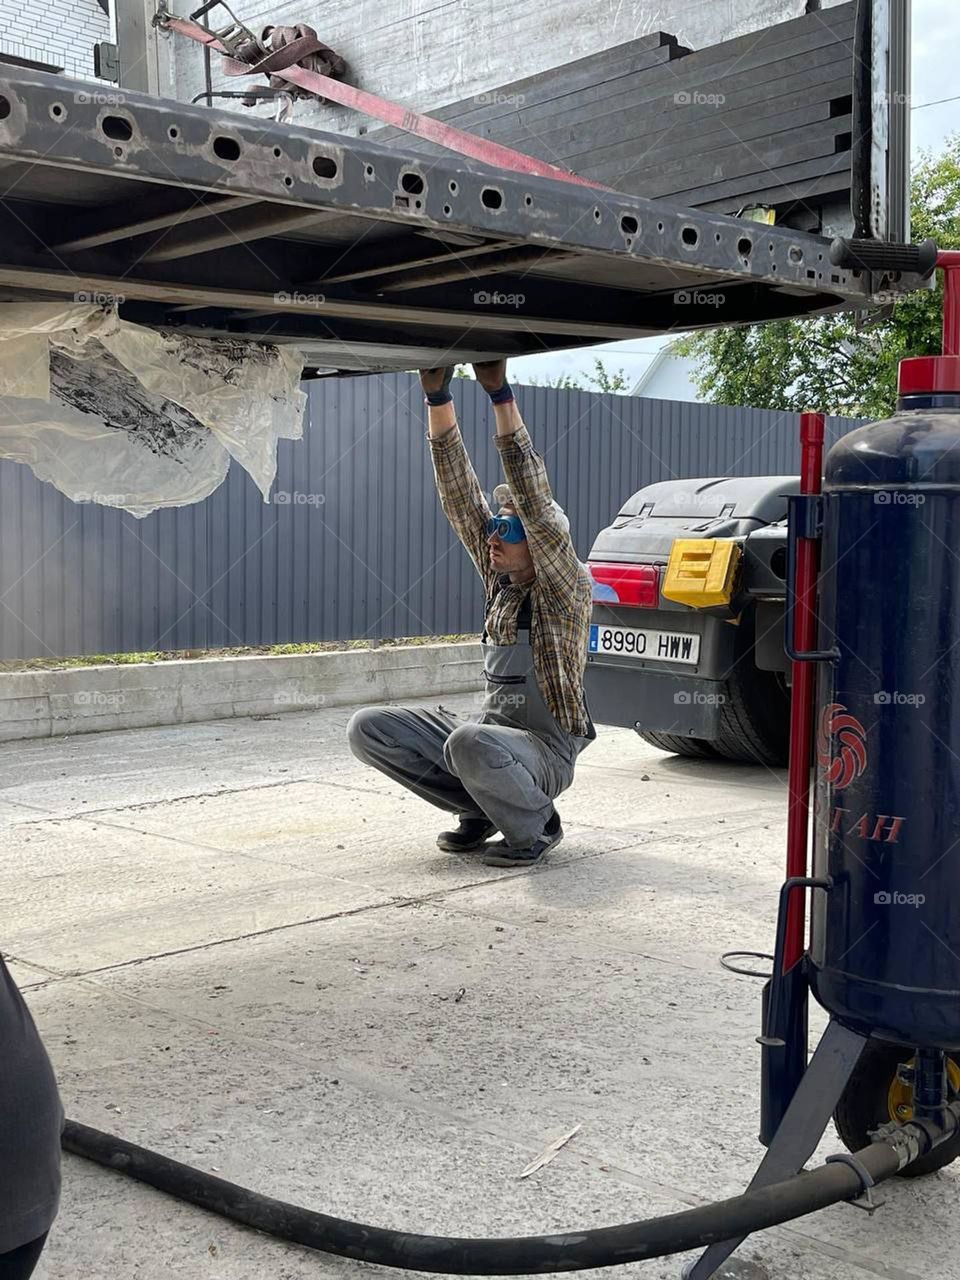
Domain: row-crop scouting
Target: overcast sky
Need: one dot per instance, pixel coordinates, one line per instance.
(936, 48)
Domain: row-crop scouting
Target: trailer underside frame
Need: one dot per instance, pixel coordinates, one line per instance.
(364, 256)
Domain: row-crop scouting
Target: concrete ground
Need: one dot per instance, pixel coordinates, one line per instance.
(244, 950)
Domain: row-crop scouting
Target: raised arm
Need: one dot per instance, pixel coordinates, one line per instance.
(461, 497)
(555, 559)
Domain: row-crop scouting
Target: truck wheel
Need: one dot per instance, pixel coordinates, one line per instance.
(755, 718)
(874, 1096)
(679, 746)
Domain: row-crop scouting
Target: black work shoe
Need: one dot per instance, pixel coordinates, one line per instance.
(502, 855)
(472, 833)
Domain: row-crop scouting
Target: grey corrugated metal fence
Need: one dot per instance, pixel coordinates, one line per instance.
(360, 548)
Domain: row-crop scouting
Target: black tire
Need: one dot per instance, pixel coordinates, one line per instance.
(679, 746)
(755, 716)
(866, 1104)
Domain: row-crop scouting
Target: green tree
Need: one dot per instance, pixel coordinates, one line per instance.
(847, 363)
(604, 381)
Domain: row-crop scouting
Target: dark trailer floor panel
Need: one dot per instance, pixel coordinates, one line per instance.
(365, 256)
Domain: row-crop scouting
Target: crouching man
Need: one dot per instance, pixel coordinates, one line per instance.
(503, 771)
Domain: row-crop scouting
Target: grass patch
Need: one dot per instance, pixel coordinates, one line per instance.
(181, 655)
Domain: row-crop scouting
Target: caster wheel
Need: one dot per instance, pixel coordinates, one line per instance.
(875, 1095)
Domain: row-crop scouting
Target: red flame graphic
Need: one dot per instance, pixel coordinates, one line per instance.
(850, 759)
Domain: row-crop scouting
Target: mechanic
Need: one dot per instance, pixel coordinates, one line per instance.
(31, 1119)
(502, 771)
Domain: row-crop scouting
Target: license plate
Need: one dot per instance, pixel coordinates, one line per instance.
(653, 646)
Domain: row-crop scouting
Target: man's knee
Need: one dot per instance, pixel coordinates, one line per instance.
(365, 727)
(473, 746)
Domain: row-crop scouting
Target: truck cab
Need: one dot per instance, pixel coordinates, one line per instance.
(686, 640)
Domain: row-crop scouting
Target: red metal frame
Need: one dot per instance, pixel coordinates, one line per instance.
(948, 260)
(930, 375)
(803, 689)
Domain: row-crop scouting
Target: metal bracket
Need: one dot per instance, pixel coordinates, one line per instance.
(806, 511)
(788, 886)
(804, 520)
(865, 1200)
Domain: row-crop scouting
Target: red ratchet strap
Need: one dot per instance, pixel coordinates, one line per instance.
(444, 135)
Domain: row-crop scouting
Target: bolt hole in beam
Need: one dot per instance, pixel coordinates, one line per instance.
(412, 183)
(325, 167)
(173, 133)
(117, 127)
(744, 246)
(690, 236)
(453, 188)
(57, 110)
(491, 198)
(597, 214)
(5, 107)
(629, 225)
(226, 148)
(795, 254)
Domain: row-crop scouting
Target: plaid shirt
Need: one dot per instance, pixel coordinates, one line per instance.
(560, 593)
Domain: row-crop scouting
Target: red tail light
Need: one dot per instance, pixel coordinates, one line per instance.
(637, 585)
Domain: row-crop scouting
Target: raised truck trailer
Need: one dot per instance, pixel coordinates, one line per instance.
(686, 641)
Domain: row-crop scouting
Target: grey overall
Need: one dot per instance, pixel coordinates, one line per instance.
(508, 764)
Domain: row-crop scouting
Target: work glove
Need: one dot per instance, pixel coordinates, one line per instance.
(492, 376)
(436, 385)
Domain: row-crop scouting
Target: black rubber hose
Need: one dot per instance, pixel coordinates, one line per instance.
(567, 1251)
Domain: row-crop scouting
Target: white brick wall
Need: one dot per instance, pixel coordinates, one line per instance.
(59, 31)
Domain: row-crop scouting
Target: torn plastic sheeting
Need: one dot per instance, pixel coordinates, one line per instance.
(115, 413)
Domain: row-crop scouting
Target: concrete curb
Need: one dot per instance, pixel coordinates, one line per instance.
(45, 704)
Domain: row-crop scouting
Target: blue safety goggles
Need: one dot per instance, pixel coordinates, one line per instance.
(506, 528)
